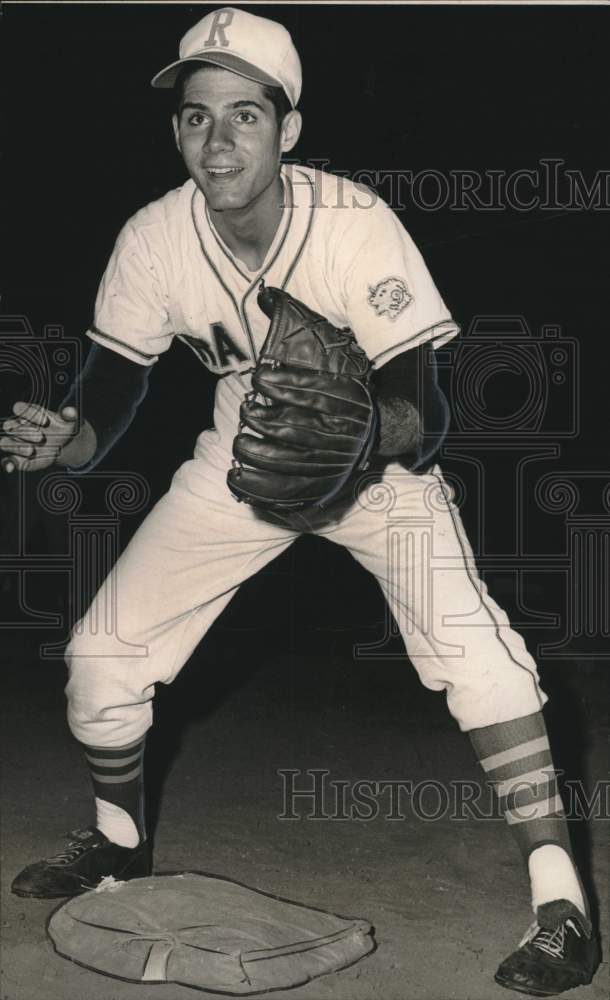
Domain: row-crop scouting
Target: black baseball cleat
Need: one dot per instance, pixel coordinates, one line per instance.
(87, 859)
(558, 953)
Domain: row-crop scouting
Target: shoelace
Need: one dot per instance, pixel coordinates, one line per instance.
(74, 849)
(550, 942)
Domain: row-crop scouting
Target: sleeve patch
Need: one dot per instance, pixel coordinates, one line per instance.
(389, 297)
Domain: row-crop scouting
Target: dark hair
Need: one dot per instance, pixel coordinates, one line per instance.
(279, 99)
(275, 95)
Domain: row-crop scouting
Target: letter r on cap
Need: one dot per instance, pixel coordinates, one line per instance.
(220, 21)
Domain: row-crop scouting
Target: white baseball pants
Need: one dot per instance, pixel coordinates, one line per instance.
(197, 546)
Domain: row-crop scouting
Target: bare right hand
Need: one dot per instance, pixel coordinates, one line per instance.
(34, 436)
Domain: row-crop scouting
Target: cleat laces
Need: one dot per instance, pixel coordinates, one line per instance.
(551, 942)
(70, 853)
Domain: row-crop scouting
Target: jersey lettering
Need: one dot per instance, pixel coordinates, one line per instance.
(216, 355)
(201, 348)
(221, 20)
(225, 346)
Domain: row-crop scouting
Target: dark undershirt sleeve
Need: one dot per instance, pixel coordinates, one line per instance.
(412, 375)
(106, 393)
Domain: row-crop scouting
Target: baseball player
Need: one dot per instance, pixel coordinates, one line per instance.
(189, 266)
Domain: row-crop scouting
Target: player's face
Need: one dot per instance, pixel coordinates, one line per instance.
(230, 139)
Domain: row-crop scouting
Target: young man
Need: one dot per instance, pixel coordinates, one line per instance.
(189, 265)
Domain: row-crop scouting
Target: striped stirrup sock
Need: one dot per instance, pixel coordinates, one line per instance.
(117, 777)
(516, 758)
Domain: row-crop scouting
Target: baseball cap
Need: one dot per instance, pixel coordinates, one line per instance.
(244, 43)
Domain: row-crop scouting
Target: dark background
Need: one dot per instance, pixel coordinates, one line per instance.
(395, 88)
(276, 683)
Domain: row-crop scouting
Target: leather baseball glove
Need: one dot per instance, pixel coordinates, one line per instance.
(310, 422)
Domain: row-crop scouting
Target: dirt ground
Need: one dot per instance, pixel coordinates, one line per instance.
(448, 898)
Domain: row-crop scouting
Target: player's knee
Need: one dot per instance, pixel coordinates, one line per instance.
(89, 679)
(92, 667)
(108, 699)
(493, 698)
(95, 722)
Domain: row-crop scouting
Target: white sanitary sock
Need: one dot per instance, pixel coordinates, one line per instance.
(116, 824)
(553, 876)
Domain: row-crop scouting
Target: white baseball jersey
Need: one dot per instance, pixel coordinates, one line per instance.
(345, 255)
(338, 248)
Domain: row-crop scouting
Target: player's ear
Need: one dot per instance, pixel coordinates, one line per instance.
(291, 130)
(176, 132)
